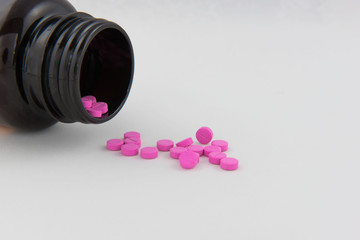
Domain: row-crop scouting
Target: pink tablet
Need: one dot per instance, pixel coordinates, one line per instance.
(176, 151)
(130, 150)
(149, 152)
(188, 160)
(114, 144)
(185, 143)
(229, 164)
(132, 135)
(204, 135)
(196, 148)
(224, 145)
(215, 157)
(209, 149)
(165, 145)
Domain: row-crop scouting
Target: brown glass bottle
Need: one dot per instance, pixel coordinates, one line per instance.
(51, 55)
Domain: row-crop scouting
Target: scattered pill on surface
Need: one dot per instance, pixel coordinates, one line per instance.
(114, 144)
(100, 106)
(224, 145)
(130, 150)
(229, 164)
(209, 149)
(185, 143)
(187, 153)
(149, 152)
(133, 140)
(188, 160)
(215, 157)
(132, 135)
(165, 145)
(89, 98)
(94, 112)
(204, 135)
(176, 151)
(196, 148)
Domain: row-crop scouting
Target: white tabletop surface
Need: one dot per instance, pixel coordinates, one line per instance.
(278, 79)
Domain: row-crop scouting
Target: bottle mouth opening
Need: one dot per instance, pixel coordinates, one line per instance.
(107, 68)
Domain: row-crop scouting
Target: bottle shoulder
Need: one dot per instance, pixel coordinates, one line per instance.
(16, 16)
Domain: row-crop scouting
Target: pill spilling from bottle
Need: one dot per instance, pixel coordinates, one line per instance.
(186, 152)
(94, 108)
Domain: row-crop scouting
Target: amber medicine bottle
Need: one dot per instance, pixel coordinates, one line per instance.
(51, 55)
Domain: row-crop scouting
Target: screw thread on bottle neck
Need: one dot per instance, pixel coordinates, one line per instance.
(63, 58)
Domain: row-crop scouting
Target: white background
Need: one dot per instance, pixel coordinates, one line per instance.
(278, 79)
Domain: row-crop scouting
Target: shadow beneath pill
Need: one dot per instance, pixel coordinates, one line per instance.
(104, 149)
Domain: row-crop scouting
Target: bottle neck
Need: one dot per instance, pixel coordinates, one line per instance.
(63, 58)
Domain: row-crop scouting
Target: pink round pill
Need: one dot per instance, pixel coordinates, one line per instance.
(89, 98)
(165, 145)
(130, 150)
(204, 135)
(100, 106)
(114, 144)
(149, 152)
(133, 140)
(229, 164)
(196, 148)
(132, 135)
(209, 149)
(94, 112)
(185, 143)
(87, 103)
(188, 160)
(215, 157)
(176, 151)
(224, 145)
